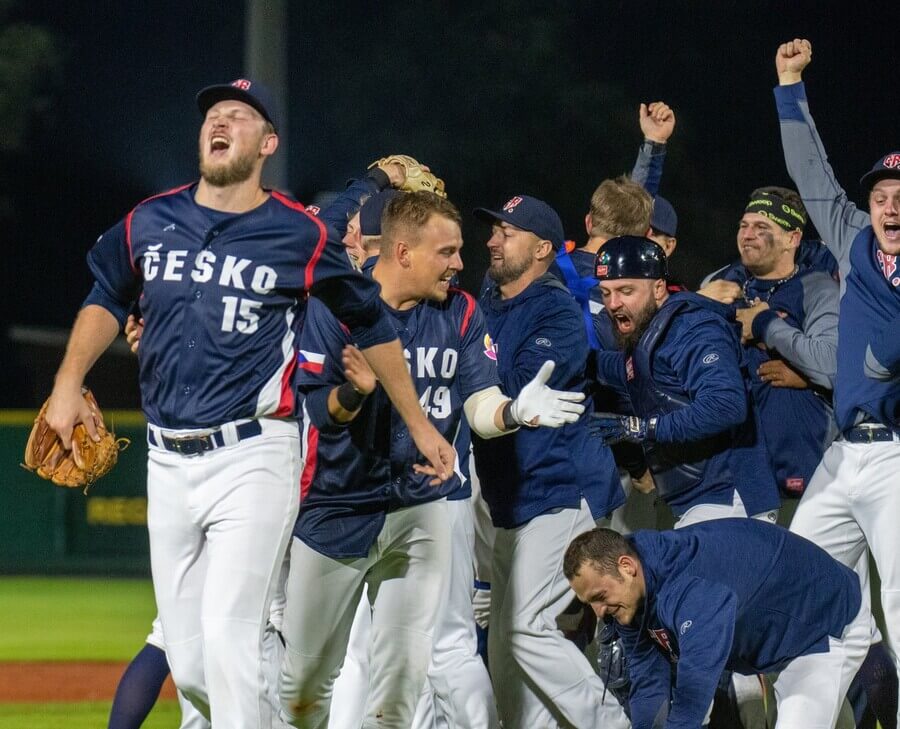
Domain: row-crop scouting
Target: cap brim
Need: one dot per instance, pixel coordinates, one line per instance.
(212, 95)
(869, 179)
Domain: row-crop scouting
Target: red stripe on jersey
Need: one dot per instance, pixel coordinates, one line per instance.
(470, 309)
(320, 246)
(286, 402)
(131, 214)
(309, 468)
(314, 367)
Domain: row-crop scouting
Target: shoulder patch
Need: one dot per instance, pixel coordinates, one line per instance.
(710, 358)
(543, 342)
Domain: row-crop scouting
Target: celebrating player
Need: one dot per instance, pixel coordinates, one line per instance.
(223, 267)
(367, 519)
(725, 594)
(539, 494)
(852, 500)
(681, 365)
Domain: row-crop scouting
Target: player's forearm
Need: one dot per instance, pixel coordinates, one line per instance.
(389, 366)
(344, 403)
(94, 330)
(648, 167)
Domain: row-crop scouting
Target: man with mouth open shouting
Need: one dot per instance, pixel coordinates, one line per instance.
(681, 363)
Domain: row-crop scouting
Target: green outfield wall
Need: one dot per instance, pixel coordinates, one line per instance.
(47, 529)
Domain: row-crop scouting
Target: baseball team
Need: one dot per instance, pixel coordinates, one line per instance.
(376, 500)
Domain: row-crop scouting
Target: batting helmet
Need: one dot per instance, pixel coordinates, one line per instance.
(630, 256)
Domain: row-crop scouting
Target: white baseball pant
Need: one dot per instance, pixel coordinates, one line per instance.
(219, 525)
(404, 572)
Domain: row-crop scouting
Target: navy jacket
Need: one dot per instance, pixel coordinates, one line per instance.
(533, 470)
(740, 594)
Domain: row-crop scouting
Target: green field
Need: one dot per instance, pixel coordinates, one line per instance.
(75, 619)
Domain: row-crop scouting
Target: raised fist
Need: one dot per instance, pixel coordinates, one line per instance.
(657, 121)
(790, 60)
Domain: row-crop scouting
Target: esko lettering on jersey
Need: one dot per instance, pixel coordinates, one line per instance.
(231, 271)
(433, 363)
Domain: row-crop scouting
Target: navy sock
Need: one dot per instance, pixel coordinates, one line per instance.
(139, 688)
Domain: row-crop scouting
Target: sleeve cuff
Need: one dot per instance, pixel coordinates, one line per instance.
(787, 101)
(761, 322)
(653, 148)
(379, 177)
(316, 402)
(99, 297)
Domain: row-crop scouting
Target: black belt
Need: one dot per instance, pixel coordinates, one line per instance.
(197, 445)
(870, 433)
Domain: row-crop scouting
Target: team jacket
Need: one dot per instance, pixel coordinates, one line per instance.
(867, 385)
(356, 473)
(800, 327)
(740, 594)
(223, 298)
(687, 369)
(534, 470)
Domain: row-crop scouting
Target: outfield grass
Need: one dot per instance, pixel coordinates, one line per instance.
(85, 715)
(74, 619)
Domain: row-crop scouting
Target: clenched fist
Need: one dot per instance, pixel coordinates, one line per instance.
(657, 121)
(790, 60)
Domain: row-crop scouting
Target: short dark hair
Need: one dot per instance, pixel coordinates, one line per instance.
(598, 547)
(406, 214)
(791, 197)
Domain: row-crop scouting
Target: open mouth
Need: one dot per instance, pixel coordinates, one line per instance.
(892, 231)
(623, 322)
(219, 144)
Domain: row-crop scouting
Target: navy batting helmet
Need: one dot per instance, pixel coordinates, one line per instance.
(630, 256)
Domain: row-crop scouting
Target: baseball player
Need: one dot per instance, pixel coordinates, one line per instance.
(725, 594)
(368, 521)
(789, 316)
(223, 267)
(681, 364)
(539, 496)
(852, 500)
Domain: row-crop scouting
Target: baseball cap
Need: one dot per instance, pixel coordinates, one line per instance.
(663, 219)
(242, 89)
(887, 166)
(630, 256)
(371, 210)
(531, 214)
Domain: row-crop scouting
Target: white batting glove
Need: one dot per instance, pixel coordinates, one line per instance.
(538, 404)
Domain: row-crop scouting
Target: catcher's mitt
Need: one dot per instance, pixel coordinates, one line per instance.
(417, 176)
(84, 463)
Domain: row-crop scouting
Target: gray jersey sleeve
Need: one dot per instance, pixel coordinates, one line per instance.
(837, 219)
(812, 349)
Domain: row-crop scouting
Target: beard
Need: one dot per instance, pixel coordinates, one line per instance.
(222, 175)
(508, 270)
(641, 320)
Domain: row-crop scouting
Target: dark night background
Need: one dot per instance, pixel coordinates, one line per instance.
(97, 112)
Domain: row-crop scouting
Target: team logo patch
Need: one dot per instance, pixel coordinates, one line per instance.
(660, 636)
(710, 358)
(490, 349)
(313, 210)
(512, 204)
(888, 264)
(685, 626)
(310, 361)
(794, 485)
(601, 271)
(241, 83)
(629, 369)
(543, 342)
(892, 161)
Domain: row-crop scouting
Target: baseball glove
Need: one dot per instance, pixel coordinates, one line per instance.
(418, 177)
(84, 463)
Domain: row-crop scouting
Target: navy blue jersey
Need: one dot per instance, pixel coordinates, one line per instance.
(800, 327)
(533, 470)
(356, 473)
(867, 386)
(739, 594)
(695, 359)
(222, 296)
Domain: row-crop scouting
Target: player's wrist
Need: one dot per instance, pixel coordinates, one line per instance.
(350, 398)
(788, 78)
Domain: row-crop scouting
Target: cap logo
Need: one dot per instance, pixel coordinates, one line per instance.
(313, 210)
(512, 204)
(242, 84)
(891, 161)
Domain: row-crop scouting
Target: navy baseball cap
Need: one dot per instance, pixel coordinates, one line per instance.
(663, 220)
(531, 214)
(242, 89)
(371, 211)
(887, 166)
(630, 256)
